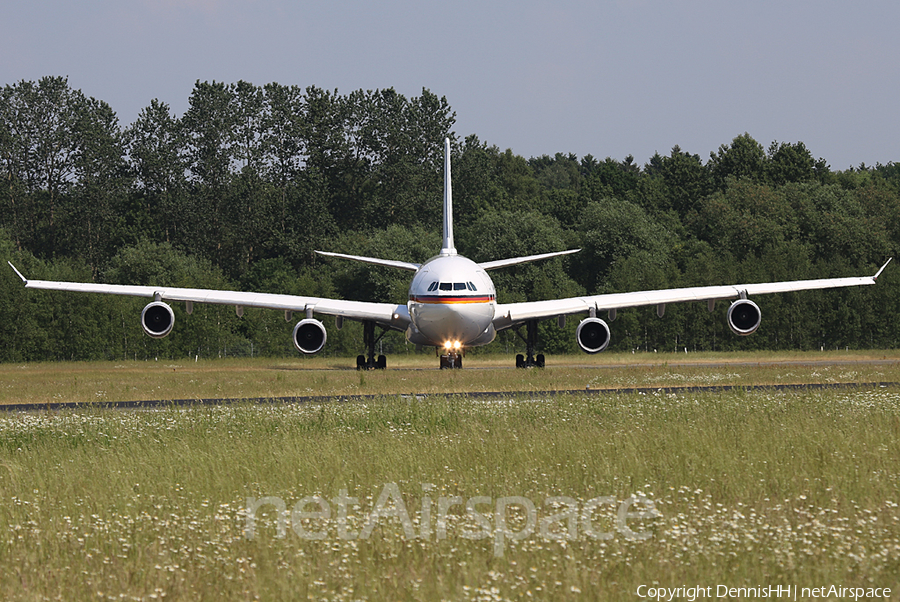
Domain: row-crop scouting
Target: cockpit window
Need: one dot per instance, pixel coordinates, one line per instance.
(452, 286)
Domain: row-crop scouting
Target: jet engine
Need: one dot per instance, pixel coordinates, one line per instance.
(744, 317)
(309, 336)
(592, 335)
(157, 319)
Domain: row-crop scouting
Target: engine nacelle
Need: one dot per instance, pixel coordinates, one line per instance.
(592, 335)
(309, 336)
(744, 317)
(157, 319)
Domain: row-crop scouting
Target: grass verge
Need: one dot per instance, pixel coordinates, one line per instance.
(105, 382)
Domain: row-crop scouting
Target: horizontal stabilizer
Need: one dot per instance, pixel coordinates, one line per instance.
(875, 277)
(403, 265)
(502, 263)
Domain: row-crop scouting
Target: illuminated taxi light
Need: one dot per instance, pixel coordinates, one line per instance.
(456, 345)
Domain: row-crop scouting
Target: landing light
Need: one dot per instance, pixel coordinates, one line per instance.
(448, 345)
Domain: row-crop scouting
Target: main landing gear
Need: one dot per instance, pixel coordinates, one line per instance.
(369, 361)
(530, 360)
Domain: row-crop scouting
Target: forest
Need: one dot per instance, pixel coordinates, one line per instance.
(239, 191)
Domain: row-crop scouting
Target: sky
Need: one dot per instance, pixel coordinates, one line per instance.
(610, 78)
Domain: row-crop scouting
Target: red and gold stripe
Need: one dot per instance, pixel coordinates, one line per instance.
(451, 298)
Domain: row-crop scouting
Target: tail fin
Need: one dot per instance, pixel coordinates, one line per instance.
(447, 247)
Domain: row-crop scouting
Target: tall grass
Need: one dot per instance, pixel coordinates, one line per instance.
(751, 487)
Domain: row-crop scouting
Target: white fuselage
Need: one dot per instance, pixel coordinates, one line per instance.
(451, 304)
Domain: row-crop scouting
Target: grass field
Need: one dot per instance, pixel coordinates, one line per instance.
(745, 488)
(84, 382)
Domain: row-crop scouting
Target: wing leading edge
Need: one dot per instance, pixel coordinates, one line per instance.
(512, 314)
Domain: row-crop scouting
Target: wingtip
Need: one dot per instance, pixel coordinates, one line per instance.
(875, 277)
(18, 273)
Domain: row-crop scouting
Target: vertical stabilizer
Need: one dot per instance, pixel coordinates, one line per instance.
(447, 248)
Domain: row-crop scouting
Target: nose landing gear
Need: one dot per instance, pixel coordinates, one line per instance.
(452, 359)
(451, 354)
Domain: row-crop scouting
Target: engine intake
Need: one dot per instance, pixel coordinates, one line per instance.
(592, 335)
(744, 317)
(157, 319)
(309, 336)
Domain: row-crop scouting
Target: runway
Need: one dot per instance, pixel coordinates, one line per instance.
(479, 395)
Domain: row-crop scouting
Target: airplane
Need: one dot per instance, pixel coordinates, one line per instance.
(452, 304)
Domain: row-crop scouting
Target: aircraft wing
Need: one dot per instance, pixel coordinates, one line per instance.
(513, 314)
(389, 315)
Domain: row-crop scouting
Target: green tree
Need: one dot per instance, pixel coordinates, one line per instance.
(521, 190)
(611, 230)
(155, 154)
(40, 148)
(745, 218)
(610, 178)
(557, 172)
(210, 148)
(476, 184)
(685, 178)
(743, 158)
(400, 140)
(790, 163)
(325, 136)
(834, 222)
(24, 316)
(93, 224)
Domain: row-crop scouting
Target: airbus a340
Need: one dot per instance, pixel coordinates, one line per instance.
(452, 304)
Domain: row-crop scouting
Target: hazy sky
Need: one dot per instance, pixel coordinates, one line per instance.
(609, 78)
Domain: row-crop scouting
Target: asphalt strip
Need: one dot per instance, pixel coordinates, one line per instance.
(480, 395)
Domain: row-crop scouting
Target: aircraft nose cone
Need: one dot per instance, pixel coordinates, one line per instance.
(456, 322)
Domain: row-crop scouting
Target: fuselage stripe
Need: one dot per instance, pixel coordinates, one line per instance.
(451, 298)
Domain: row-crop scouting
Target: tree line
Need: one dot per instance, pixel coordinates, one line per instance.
(240, 190)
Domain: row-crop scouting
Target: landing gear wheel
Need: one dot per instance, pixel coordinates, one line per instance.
(451, 360)
(369, 361)
(529, 360)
